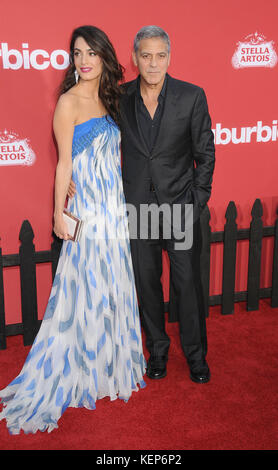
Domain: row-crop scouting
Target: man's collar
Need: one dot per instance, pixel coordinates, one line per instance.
(163, 89)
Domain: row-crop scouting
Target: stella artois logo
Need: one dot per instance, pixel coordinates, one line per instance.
(14, 150)
(254, 51)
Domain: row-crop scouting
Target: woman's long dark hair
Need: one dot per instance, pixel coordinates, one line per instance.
(112, 72)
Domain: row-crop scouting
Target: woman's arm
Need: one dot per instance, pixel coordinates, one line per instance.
(63, 125)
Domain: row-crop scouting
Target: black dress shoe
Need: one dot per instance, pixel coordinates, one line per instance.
(156, 367)
(200, 373)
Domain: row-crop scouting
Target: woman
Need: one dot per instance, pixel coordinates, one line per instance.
(89, 344)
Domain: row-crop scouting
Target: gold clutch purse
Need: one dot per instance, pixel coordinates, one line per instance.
(74, 225)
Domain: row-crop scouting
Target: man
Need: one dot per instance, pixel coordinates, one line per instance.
(168, 159)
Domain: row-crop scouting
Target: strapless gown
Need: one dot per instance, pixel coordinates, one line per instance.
(89, 344)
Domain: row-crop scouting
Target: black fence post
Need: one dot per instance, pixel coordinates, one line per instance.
(274, 291)
(28, 284)
(56, 246)
(3, 344)
(255, 250)
(205, 256)
(229, 260)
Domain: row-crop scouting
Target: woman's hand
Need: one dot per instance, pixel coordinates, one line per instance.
(60, 227)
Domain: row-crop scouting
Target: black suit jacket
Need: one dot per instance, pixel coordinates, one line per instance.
(182, 161)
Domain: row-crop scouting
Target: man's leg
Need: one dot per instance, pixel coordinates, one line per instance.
(187, 298)
(147, 261)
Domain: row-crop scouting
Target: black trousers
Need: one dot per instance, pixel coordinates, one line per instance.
(186, 296)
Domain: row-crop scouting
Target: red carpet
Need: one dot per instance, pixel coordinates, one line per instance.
(236, 410)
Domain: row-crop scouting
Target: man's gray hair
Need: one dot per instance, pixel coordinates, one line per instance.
(148, 32)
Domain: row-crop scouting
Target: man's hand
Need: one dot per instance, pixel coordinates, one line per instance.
(71, 189)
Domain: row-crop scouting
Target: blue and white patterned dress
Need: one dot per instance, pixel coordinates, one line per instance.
(89, 344)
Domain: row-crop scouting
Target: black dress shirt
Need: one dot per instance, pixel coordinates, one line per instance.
(150, 127)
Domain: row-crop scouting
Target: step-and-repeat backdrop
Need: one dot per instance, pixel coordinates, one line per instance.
(229, 48)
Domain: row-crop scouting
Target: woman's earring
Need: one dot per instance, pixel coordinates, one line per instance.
(76, 76)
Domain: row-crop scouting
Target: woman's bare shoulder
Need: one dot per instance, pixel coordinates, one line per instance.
(66, 107)
(67, 101)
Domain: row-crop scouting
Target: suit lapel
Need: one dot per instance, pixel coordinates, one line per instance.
(132, 117)
(169, 113)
